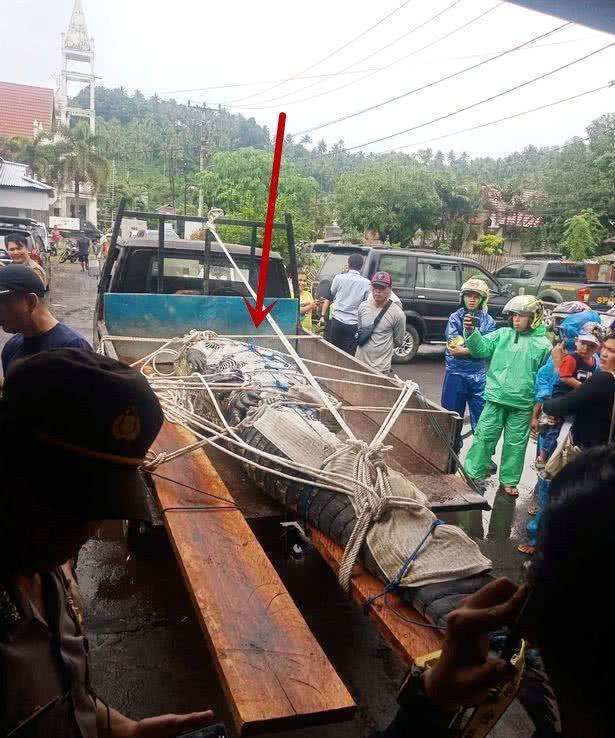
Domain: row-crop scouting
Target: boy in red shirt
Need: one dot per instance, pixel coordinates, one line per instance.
(575, 369)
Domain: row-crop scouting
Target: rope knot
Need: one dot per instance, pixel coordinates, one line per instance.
(153, 460)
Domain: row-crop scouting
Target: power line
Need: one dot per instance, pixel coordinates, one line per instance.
(262, 82)
(371, 73)
(328, 56)
(371, 54)
(430, 84)
(351, 72)
(499, 120)
(481, 102)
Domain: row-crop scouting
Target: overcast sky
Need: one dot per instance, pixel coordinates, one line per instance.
(167, 47)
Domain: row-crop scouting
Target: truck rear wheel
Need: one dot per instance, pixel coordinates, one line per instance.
(407, 351)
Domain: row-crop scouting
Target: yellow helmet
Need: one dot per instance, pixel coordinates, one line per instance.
(479, 287)
(526, 305)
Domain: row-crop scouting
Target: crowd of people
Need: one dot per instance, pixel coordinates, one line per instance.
(515, 381)
(63, 407)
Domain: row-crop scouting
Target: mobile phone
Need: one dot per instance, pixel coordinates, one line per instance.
(211, 731)
(513, 637)
(475, 320)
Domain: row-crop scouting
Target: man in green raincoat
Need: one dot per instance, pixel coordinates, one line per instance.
(516, 353)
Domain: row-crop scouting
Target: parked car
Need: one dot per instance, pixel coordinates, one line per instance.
(4, 254)
(32, 230)
(428, 285)
(557, 281)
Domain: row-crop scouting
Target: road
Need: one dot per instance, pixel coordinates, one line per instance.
(147, 650)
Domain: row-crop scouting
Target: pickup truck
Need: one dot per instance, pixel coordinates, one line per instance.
(557, 281)
(427, 284)
(153, 290)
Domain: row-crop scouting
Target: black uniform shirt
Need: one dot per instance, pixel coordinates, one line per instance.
(44, 684)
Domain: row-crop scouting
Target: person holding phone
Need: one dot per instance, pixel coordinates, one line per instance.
(465, 376)
(572, 563)
(516, 354)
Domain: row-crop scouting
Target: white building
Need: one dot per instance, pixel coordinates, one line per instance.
(21, 195)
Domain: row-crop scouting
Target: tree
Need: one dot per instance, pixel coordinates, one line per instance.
(390, 197)
(583, 236)
(238, 182)
(37, 153)
(78, 161)
(490, 244)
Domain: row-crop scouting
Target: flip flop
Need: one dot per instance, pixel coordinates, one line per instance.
(510, 491)
(525, 548)
(532, 511)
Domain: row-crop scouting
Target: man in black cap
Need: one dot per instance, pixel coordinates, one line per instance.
(89, 421)
(24, 313)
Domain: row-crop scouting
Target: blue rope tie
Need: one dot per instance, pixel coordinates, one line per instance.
(307, 501)
(394, 584)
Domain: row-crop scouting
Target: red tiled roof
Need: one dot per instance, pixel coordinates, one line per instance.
(21, 105)
(520, 219)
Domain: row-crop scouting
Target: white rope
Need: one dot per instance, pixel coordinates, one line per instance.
(368, 486)
(373, 496)
(216, 213)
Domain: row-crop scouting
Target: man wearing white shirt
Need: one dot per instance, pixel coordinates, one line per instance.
(348, 291)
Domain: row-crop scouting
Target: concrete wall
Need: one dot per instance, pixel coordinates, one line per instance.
(24, 203)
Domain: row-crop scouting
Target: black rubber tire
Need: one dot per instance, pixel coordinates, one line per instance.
(403, 356)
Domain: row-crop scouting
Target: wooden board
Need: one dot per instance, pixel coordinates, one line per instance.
(274, 673)
(448, 493)
(409, 641)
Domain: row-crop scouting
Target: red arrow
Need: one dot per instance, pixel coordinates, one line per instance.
(258, 312)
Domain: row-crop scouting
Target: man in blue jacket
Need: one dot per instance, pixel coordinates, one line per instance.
(465, 376)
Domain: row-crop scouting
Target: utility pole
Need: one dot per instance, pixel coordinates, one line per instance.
(203, 156)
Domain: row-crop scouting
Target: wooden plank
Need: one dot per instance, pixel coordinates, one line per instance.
(412, 436)
(273, 671)
(448, 493)
(407, 640)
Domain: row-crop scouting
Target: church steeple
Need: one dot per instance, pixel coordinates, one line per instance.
(77, 77)
(77, 35)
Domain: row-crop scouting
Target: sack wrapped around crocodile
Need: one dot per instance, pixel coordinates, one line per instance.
(276, 411)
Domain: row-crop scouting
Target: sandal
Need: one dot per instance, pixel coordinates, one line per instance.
(532, 511)
(526, 548)
(510, 491)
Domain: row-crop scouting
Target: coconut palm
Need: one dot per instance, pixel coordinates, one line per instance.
(38, 153)
(78, 161)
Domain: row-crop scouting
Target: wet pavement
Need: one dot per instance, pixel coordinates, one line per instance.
(148, 654)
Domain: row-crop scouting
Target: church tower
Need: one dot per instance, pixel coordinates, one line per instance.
(77, 67)
(77, 74)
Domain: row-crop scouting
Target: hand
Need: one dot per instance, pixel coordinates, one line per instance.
(321, 322)
(456, 351)
(467, 323)
(463, 676)
(551, 420)
(534, 425)
(167, 726)
(557, 354)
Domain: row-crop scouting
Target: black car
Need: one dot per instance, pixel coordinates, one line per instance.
(428, 285)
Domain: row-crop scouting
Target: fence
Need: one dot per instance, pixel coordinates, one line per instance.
(490, 262)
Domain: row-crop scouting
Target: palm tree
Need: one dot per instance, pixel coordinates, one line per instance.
(78, 161)
(37, 152)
